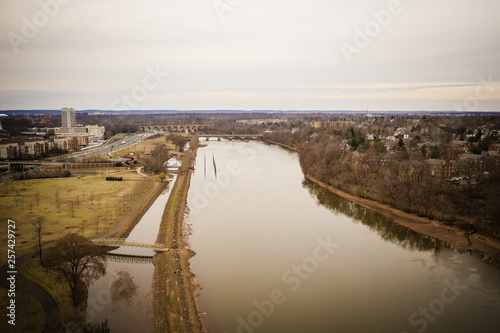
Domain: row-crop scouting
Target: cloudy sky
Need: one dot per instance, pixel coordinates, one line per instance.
(250, 54)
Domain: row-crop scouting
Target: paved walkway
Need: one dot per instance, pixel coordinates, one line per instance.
(50, 307)
(124, 220)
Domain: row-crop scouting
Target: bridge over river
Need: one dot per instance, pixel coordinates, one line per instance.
(122, 242)
(176, 128)
(231, 136)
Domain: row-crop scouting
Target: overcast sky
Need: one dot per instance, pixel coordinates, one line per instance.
(250, 54)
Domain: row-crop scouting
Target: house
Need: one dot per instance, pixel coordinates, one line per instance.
(435, 167)
(9, 150)
(471, 164)
(442, 168)
(461, 145)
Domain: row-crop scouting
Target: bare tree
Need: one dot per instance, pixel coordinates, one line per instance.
(179, 141)
(78, 260)
(58, 203)
(39, 231)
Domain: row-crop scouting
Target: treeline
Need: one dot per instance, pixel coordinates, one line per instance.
(400, 179)
(155, 161)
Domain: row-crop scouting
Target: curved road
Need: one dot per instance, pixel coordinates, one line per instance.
(50, 307)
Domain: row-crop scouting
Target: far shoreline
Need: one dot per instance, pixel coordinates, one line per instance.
(483, 246)
(486, 247)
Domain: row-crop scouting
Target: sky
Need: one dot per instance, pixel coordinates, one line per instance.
(374, 55)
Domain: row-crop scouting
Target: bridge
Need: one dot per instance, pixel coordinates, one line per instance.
(176, 128)
(231, 136)
(131, 243)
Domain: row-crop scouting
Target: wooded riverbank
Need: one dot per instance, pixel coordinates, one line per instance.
(484, 246)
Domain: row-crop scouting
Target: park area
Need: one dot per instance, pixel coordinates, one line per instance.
(87, 205)
(144, 148)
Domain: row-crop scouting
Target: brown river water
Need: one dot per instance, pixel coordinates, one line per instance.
(275, 253)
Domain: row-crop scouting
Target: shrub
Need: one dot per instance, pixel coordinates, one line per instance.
(116, 179)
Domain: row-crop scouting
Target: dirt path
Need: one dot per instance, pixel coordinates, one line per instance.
(50, 307)
(174, 287)
(486, 247)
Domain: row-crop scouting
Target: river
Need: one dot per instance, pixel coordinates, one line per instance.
(275, 253)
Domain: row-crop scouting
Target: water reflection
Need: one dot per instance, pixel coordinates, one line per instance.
(388, 231)
(128, 307)
(123, 290)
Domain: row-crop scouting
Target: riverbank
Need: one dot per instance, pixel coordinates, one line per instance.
(174, 286)
(282, 145)
(485, 247)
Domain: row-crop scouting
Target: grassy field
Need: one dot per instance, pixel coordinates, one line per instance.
(88, 205)
(144, 147)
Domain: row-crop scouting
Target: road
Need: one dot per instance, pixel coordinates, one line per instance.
(118, 142)
(50, 307)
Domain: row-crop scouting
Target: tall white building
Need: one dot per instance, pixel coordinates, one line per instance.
(68, 117)
(69, 129)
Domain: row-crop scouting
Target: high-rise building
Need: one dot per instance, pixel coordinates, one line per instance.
(68, 117)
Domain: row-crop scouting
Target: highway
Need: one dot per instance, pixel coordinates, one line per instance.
(118, 142)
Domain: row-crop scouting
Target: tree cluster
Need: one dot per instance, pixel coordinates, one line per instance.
(155, 161)
(347, 161)
(179, 141)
